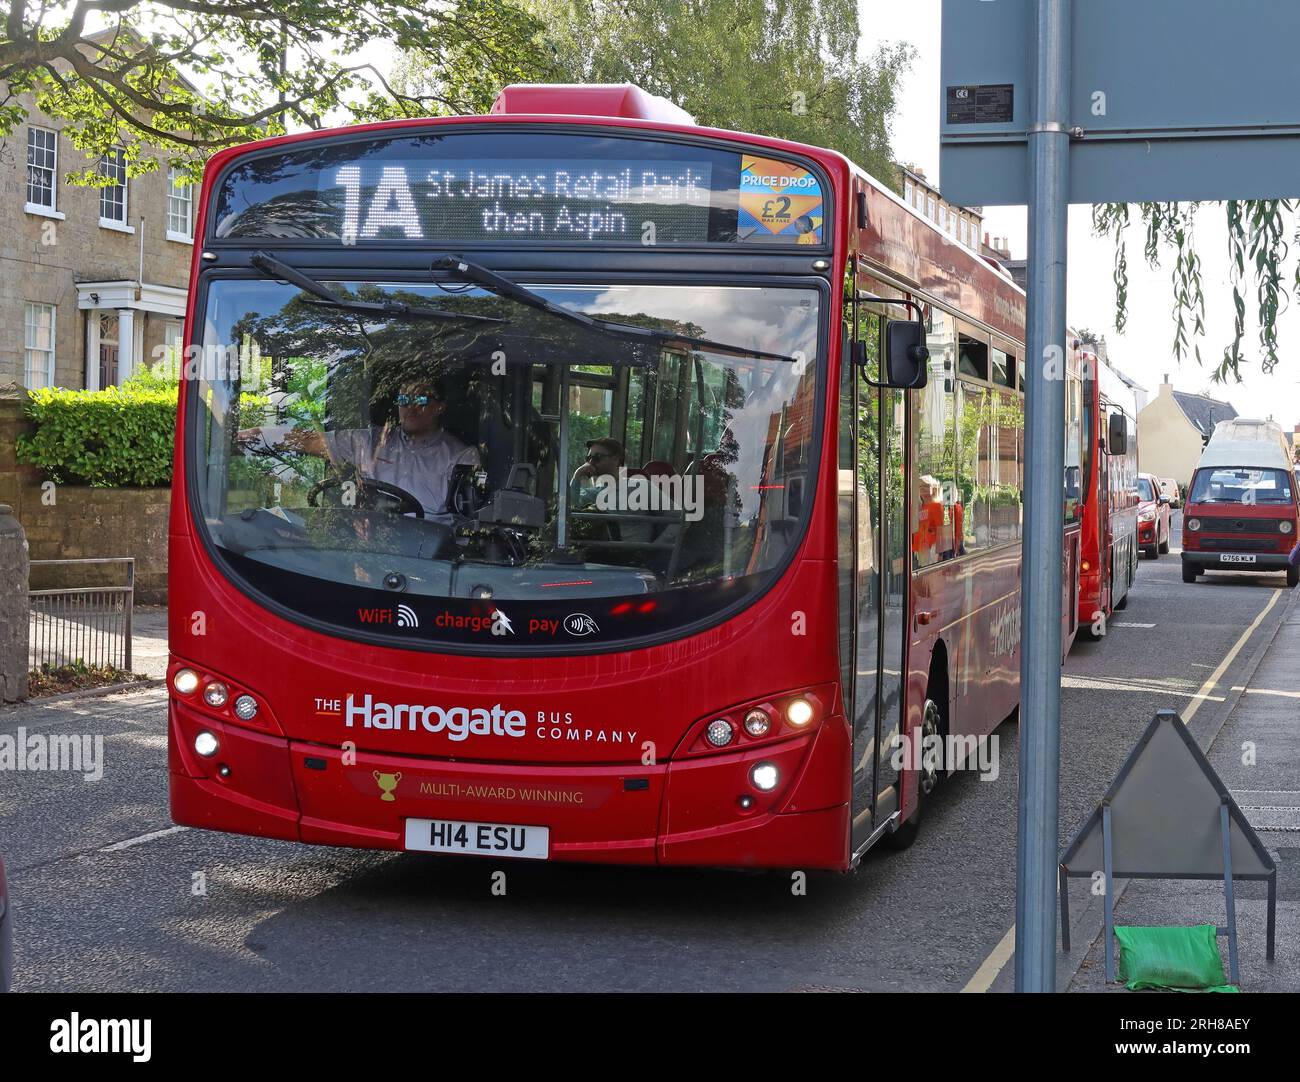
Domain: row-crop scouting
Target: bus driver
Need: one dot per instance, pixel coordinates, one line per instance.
(416, 455)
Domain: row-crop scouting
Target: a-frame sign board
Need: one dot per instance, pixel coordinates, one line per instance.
(1167, 816)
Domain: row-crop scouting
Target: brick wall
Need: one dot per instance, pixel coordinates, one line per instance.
(84, 523)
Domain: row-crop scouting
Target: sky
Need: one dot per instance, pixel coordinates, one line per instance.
(1144, 351)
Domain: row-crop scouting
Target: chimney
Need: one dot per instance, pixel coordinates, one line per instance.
(1166, 388)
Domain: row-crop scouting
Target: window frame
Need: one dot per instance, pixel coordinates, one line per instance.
(51, 351)
(50, 209)
(113, 165)
(173, 198)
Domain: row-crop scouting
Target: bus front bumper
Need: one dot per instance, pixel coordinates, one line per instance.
(689, 811)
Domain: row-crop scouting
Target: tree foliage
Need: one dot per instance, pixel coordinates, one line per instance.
(176, 79)
(1257, 239)
(784, 68)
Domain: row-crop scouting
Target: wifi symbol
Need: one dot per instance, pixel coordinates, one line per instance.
(406, 617)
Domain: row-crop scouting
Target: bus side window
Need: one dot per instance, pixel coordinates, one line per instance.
(936, 505)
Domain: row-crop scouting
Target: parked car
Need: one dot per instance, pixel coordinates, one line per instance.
(1242, 511)
(1153, 516)
(6, 934)
(1169, 487)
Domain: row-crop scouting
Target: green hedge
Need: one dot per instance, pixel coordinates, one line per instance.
(112, 438)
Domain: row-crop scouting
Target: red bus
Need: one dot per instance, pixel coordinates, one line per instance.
(536, 495)
(1108, 508)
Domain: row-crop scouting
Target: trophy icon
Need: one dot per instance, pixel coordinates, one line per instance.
(387, 783)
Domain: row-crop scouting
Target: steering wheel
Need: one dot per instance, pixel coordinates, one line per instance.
(369, 488)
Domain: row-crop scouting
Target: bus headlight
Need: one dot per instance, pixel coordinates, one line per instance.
(719, 733)
(216, 694)
(1285, 526)
(206, 744)
(185, 681)
(1193, 524)
(799, 713)
(757, 723)
(764, 777)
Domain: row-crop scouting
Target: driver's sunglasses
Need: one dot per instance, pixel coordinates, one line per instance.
(413, 400)
(598, 454)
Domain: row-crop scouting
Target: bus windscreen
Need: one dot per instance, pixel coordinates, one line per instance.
(509, 478)
(519, 187)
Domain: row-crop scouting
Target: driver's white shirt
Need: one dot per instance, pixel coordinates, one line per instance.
(420, 465)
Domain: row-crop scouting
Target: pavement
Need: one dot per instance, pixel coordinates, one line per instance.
(110, 895)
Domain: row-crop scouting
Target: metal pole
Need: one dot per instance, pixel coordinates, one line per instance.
(1040, 589)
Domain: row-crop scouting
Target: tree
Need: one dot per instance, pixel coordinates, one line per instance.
(1257, 232)
(174, 80)
(784, 68)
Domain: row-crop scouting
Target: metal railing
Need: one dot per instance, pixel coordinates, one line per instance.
(90, 624)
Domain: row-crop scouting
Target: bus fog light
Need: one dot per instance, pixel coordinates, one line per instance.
(246, 708)
(1193, 524)
(799, 712)
(185, 681)
(206, 744)
(764, 777)
(216, 694)
(719, 733)
(757, 723)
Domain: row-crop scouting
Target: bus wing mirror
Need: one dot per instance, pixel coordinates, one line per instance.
(1117, 435)
(906, 356)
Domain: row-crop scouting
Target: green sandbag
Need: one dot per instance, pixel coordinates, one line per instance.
(1179, 959)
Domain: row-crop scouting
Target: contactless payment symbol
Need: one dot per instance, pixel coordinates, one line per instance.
(779, 200)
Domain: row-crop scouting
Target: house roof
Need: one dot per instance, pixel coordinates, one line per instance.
(1204, 412)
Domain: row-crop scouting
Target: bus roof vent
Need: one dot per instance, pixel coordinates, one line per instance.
(579, 99)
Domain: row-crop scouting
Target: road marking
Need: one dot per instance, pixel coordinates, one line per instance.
(117, 847)
(1125, 624)
(1002, 953)
(992, 965)
(1266, 691)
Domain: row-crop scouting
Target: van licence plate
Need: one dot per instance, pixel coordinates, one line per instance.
(1236, 558)
(484, 839)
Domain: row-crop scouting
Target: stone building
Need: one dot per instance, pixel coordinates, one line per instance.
(92, 280)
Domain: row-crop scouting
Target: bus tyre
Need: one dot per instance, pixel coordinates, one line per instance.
(930, 774)
(1122, 603)
(1190, 573)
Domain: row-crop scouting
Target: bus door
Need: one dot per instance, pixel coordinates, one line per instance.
(1105, 555)
(881, 573)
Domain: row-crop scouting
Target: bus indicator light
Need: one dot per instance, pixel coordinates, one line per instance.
(719, 733)
(185, 681)
(765, 777)
(245, 708)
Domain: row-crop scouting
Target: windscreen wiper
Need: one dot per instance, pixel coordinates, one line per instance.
(504, 287)
(268, 264)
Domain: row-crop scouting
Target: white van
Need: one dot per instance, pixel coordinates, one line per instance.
(1242, 510)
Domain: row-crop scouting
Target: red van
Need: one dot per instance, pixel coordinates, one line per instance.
(1241, 511)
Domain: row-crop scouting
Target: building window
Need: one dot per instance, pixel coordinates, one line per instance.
(180, 207)
(42, 167)
(112, 196)
(943, 218)
(933, 208)
(172, 339)
(907, 191)
(38, 323)
(963, 231)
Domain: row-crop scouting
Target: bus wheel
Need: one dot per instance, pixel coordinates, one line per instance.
(931, 772)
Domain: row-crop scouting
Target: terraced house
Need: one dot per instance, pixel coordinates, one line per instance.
(92, 279)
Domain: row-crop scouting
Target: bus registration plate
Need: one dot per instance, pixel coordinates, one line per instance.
(486, 839)
(1236, 558)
